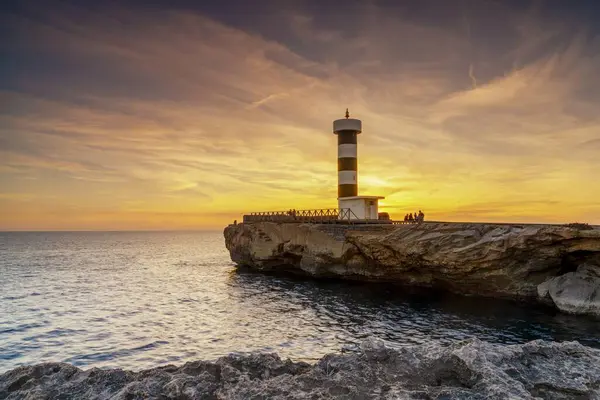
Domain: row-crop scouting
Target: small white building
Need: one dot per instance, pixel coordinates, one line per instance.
(361, 207)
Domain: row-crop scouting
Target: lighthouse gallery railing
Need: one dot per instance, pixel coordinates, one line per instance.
(323, 215)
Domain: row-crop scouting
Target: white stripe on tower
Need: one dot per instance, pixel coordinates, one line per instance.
(346, 177)
(348, 150)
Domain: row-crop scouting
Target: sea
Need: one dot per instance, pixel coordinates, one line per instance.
(138, 300)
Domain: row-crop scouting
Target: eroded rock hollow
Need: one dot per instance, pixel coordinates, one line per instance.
(554, 264)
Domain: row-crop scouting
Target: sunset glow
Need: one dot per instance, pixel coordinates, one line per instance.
(178, 117)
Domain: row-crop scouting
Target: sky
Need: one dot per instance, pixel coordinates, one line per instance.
(136, 115)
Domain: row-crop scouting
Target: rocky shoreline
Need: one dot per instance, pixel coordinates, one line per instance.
(467, 370)
(557, 265)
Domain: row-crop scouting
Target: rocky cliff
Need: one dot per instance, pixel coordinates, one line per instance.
(467, 370)
(556, 264)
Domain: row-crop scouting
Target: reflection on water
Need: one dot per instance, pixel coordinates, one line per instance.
(353, 311)
(139, 300)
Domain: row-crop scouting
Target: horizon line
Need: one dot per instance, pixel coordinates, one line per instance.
(219, 229)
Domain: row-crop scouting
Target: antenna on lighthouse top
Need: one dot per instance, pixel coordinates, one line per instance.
(347, 114)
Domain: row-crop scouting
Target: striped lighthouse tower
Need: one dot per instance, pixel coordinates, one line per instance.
(347, 130)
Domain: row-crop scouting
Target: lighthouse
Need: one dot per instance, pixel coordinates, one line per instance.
(347, 131)
(361, 207)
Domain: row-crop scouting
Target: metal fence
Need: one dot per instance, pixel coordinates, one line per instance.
(323, 216)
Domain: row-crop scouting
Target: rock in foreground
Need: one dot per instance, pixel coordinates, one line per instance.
(479, 259)
(467, 370)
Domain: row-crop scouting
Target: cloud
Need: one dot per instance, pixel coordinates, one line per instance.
(174, 110)
(472, 75)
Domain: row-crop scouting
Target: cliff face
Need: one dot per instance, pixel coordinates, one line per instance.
(466, 370)
(481, 259)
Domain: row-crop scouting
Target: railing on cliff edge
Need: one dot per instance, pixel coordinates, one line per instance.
(322, 216)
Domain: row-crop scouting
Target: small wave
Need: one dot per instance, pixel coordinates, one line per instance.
(65, 312)
(15, 297)
(106, 356)
(56, 333)
(188, 300)
(10, 356)
(21, 328)
(149, 346)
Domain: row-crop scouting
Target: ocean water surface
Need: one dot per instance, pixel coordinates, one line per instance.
(142, 299)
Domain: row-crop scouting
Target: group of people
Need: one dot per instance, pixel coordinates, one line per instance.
(414, 218)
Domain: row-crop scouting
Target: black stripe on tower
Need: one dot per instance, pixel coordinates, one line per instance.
(347, 190)
(346, 137)
(347, 164)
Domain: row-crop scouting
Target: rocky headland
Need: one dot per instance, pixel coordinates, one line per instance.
(557, 265)
(467, 370)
